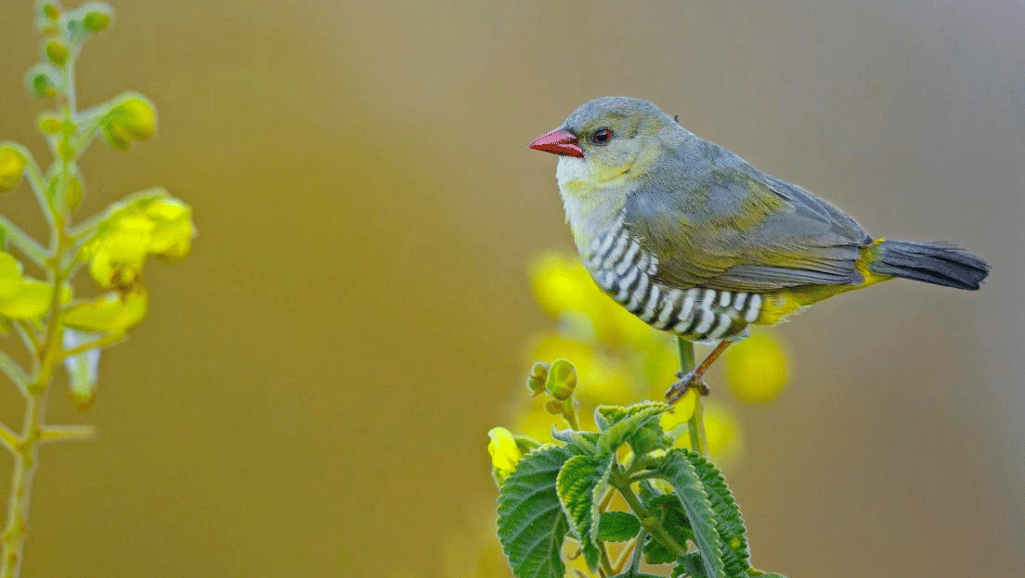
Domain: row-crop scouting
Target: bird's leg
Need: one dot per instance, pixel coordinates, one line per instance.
(692, 379)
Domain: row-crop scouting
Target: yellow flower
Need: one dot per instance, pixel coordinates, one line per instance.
(756, 369)
(110, 313)
(117, 255)
(12, 165)
(504, 452)
(173, 229)
(23, 297)
(161, 226)
(133, 119)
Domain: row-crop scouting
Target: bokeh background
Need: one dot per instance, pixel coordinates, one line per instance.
(311, 391)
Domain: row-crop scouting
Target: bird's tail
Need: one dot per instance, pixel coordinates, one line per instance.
(938, 263)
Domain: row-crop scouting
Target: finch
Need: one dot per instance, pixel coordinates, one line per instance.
(693, 240)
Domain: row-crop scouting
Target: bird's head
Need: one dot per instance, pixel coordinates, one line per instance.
(608, 139)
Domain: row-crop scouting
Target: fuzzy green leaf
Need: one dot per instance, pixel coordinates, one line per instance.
(582, 440)
(618, 526)
(531, 524)
(624, 422)
(580, 485)
(681, 474)
(729, 524)
(689, 566)
(668, 509)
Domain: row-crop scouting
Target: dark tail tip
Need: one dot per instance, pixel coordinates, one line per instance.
(937, 263)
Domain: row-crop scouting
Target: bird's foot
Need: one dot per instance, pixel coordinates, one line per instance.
(689, 380)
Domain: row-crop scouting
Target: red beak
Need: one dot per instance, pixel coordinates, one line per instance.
(560, 142)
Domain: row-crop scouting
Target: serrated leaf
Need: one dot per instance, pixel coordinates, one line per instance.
(618, 526)
(736, 554)
(531, 524)
(683, 477)
(669, 510)
(628, 574)
(583, 440)
(581, 484)
(624, 422)
(689, 566)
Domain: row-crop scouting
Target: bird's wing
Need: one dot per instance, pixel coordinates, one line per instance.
(714, 221)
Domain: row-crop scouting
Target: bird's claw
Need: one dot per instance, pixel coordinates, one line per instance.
(687, 381)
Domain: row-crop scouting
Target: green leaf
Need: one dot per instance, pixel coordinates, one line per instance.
(729, 524)
(683, 477)
(669, 510)
(624, 422)
(531, 524)
(689, 566)
(581, 485)
(585, 441)
(628, 574)
(618, 527)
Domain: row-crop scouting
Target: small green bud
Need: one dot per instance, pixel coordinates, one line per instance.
(49, 124)
(12, 165)
(43, 81)
(97, 16)
(538, 375)
(73, 196)
(51, 10)
(562, 379)
(554, 407)
(56, 52)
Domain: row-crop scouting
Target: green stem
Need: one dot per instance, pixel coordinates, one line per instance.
(696, 423)
(14, 371)
(24, 243)
(650, 523)
(104, 341)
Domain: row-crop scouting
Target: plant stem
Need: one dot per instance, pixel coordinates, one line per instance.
(696, 423)
(651, 524)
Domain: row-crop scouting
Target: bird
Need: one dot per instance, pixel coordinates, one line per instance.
(693, 240)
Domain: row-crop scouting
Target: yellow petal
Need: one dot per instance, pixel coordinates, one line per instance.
(31, 301)
(10, 276)
(12, 165)
(503, 450)
(110, 313)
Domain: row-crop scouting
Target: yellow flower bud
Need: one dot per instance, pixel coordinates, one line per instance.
(30, 301)
(110, 313)
(756, 369)
(538, 376)
(56, 52)
(133, 119)
(504, 452)
(12, 165)
(50, 124)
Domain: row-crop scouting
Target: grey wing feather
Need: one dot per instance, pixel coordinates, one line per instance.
(714, 221)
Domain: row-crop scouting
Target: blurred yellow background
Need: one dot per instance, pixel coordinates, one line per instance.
(312, 390)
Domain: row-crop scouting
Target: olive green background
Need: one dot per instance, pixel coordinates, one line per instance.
(311, 391)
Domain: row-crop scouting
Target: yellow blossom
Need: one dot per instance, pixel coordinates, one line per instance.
(110, 313)
(504, 452)
(173, 229)
(133, 119)
(756, 369)
(117, 255)
(23, 297)
(12, 165)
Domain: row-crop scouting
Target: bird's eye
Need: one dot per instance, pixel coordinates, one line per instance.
(601, 136)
